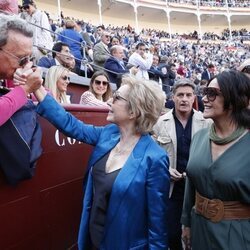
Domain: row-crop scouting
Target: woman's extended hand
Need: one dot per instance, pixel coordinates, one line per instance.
(186, 237)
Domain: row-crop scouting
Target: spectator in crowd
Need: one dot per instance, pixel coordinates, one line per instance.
(99, 90)
(155, 72)
(74, 41)
(208, 73)
(128, 171)
(114, 41)
(101, 51)
(42, 38)
(169, 77)
(60, 56)
(84, 34)
(115, 65)
(174, 131)
(216, 210)
(245, 67)
(141, 60)
(56, 81)
(181, 70)
(15, 53)
(9, 6)
(98, 34)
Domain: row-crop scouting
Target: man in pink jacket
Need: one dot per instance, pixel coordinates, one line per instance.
(15, 51)
(10, 6)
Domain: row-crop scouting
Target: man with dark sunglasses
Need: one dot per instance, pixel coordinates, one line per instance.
(174, 131)
(15, 51)
(101, 51)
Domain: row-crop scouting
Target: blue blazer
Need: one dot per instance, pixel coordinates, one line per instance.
(136, 216)
(205, 75)
(113, 64)
(46, 62)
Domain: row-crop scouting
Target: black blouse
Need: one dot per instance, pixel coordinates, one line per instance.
(102, 187)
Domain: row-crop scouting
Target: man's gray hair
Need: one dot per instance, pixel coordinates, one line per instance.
(114, 48)
(13, 23)
(183, 82)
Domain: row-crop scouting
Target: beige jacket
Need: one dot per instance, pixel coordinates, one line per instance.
(165, 135)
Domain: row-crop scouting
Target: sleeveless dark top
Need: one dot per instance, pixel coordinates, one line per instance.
(102, 187)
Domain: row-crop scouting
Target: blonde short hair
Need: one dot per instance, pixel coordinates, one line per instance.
(146, 100)
(53, 74)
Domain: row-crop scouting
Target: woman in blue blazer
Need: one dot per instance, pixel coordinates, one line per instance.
(126, 196)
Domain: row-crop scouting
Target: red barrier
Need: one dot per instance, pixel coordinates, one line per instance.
(44, 212)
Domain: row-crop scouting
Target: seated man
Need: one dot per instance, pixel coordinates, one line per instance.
(155, 72)
(114, 65)
(101, 51)
(60, 56)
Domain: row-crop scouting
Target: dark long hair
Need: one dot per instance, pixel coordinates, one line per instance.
(235, 88)
(108, 93)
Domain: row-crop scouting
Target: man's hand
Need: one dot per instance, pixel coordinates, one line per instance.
(175, 175)
(28, 78)
(20, 76)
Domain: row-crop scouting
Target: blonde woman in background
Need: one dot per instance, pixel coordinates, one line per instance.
(99, 90)
(56, 81)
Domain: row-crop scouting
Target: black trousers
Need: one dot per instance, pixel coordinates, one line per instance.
(174, 224)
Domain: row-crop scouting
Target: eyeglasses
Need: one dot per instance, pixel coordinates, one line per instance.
(117, 96)
(65, 78)
(211, 93)
(104, 83)
(21, 60)
(246, 69)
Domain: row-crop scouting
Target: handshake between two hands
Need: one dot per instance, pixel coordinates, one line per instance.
(28, 77)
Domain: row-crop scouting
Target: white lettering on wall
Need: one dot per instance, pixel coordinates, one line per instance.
(62, 140)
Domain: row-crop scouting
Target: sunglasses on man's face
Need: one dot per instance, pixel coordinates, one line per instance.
(246, 69)
(104, 83)
(211, 93)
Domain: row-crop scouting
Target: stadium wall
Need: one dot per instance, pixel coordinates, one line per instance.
(94, 19)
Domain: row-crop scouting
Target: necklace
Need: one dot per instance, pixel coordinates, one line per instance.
(222, 141)
(120, 151)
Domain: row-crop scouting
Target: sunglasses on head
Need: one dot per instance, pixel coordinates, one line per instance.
(211, 93)
(66, 78)
(104, 83)
(117, 96)
(246, 69)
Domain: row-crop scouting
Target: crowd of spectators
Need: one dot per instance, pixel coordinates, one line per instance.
(215, 3)
(89, 47)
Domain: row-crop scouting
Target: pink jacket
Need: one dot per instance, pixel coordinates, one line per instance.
(11, 102)
(10, 6)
